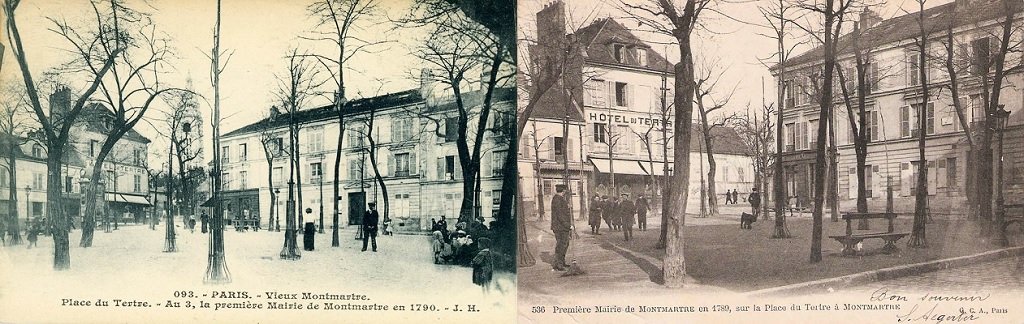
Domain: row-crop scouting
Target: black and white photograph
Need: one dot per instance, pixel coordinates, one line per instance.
(849, 161)
(170, 161)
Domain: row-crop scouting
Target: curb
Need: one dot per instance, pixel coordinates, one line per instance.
(824, 285)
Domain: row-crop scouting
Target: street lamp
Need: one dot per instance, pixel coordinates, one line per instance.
(28, 222)
(277, 218)
(1002, 116)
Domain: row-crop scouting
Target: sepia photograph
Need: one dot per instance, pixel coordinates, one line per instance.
(847, 161)
(171, 161)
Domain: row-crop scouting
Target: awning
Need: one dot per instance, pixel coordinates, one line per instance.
(659, 167)
(620, 166)
(128, 199)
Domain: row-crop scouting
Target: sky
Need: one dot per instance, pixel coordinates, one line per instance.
(259, 33)
(733, 40)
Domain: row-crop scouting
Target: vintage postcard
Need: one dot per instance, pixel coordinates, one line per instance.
(257, 161)
(845, 161)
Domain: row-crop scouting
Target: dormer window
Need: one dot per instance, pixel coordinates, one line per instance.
(641, 57)
(619, 51)
(37, 151)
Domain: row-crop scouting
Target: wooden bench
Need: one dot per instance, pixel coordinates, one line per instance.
(244, 223)
(851, 239)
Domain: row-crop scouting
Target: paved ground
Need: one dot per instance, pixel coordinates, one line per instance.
(726, 261)
(1000, 275)
(129, 264)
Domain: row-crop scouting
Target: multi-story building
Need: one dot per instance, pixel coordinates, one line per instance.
(414, 133)
(611, 98)
(893, 105)
(125, 178)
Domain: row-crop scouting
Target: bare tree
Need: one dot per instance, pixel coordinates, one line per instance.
(778, 22)
(340, 22)
(826, 31)
(536, 145)
(294, 90)
(679, 19)
(14, 125)
(918, 237)
(184, 124)
(56, 126)
(129, 91)
(709, 100)
(456, 48)
(217, 268)
(756, 131)
(273, 148)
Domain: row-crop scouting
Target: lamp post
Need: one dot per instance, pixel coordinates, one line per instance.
(1002, 116)
(28, 222)
(83, 182)
(277, 218)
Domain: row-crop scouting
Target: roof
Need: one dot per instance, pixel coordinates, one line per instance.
(724, 140)
(93, 117)
(70, 156)
(366, 105)
(906, 27)
(597, 37)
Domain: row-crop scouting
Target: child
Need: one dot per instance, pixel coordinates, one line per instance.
(483, 265)
(33, 236)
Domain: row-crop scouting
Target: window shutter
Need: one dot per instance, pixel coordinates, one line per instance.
(630, 100)
(906, 175)
(413, 163)
(485, 164)
(395, 128)
(874, 126)
(440, 168)
(940, 173)
(932, 180)
(391, 166)
(458, 168)
(852, 181)
(611, 93)
(549, 153)
(904, 121)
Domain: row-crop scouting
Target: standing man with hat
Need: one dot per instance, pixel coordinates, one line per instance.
(627, 211)
(370, 219)
(561, 226)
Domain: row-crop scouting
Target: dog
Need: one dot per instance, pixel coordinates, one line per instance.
(746, 219)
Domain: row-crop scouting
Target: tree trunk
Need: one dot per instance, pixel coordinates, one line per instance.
(335, 241)
(833, 174)
(12, 199)
(91, 196)
(780, 231)
(674, 264)
(826, 106)
(57, 219)
(917, 236)
(504, 230)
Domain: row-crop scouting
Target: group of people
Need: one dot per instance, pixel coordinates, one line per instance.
(732, 198)
(618, 213)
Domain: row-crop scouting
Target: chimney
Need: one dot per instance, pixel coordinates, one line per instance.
(551, 24)
(60, 101)
(869, 18)
(274, 112)
(427, 85)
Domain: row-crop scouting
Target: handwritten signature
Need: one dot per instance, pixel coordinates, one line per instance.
(960, 315)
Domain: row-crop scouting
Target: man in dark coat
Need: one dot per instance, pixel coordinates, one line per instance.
(617, 214)
(627, 212)
(370, 219)
(595, 216)
(641, 212)
(755, 202)
(561, 226)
